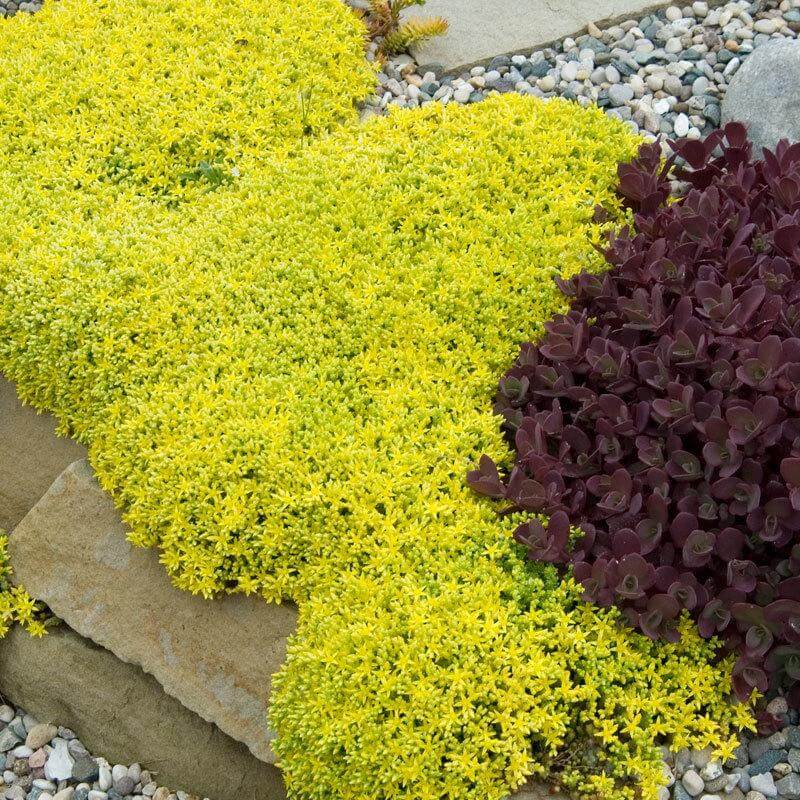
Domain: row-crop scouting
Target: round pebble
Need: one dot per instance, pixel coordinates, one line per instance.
(46, 772)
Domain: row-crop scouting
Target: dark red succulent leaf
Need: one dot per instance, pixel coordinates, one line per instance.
(545, 542)
(748, 675)
(661, 414)
(486, 479)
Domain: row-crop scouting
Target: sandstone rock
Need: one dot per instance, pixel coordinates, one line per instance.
(31, 456)
(765, 94)
(124, 714)
(216, 657)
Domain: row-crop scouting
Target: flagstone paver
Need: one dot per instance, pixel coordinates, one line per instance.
(480, 30)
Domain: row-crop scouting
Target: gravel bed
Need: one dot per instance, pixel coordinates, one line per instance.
(665, 73)
(40, 761)
(8, 8)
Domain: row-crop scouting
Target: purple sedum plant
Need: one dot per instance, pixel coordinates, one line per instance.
(660, 415)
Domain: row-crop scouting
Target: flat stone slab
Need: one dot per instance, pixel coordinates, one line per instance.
(217, 657)
(31, 456)
(124, 715)
(482, 29)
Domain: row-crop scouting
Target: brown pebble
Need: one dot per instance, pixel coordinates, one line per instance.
(37, 759)
(21, 767)
(732, 45)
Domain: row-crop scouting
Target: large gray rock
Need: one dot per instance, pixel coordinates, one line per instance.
(765, 94)
(124, 715)
(481, 29)
(31, 456)
(216, 656)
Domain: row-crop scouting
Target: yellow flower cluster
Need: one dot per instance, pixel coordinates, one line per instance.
(283, 386)
(16, 605)
(140, 92)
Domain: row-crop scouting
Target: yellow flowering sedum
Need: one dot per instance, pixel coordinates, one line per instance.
(284, 385)
(16, 605)
(140, 92)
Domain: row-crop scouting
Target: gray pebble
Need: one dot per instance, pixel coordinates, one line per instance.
(789, 787)
(692, 782)
(620, 94)
(764, 783)
(8, 740)
(767, 761)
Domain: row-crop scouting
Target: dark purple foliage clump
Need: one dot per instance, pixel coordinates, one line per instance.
(660, 415)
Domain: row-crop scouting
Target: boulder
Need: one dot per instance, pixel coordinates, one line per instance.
(31, 456)
(765, 94)
(217, 657)
(123, 714)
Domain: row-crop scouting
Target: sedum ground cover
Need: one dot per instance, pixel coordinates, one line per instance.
(283, 381)
(138, 95)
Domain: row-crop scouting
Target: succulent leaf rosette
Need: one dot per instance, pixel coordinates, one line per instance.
(660, 414)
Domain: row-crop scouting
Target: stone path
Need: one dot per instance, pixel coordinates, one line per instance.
(481, 29)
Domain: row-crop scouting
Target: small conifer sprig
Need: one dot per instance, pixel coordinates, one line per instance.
(398, 36)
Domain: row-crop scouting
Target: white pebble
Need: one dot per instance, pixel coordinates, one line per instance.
(547, 83)
(569, 72)
(661, 106)
(59, 763)
(691, 781)
(681, 125)
(105, 779)
(674, 13)
(461, 95)
(673, 45)
(766, 25)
